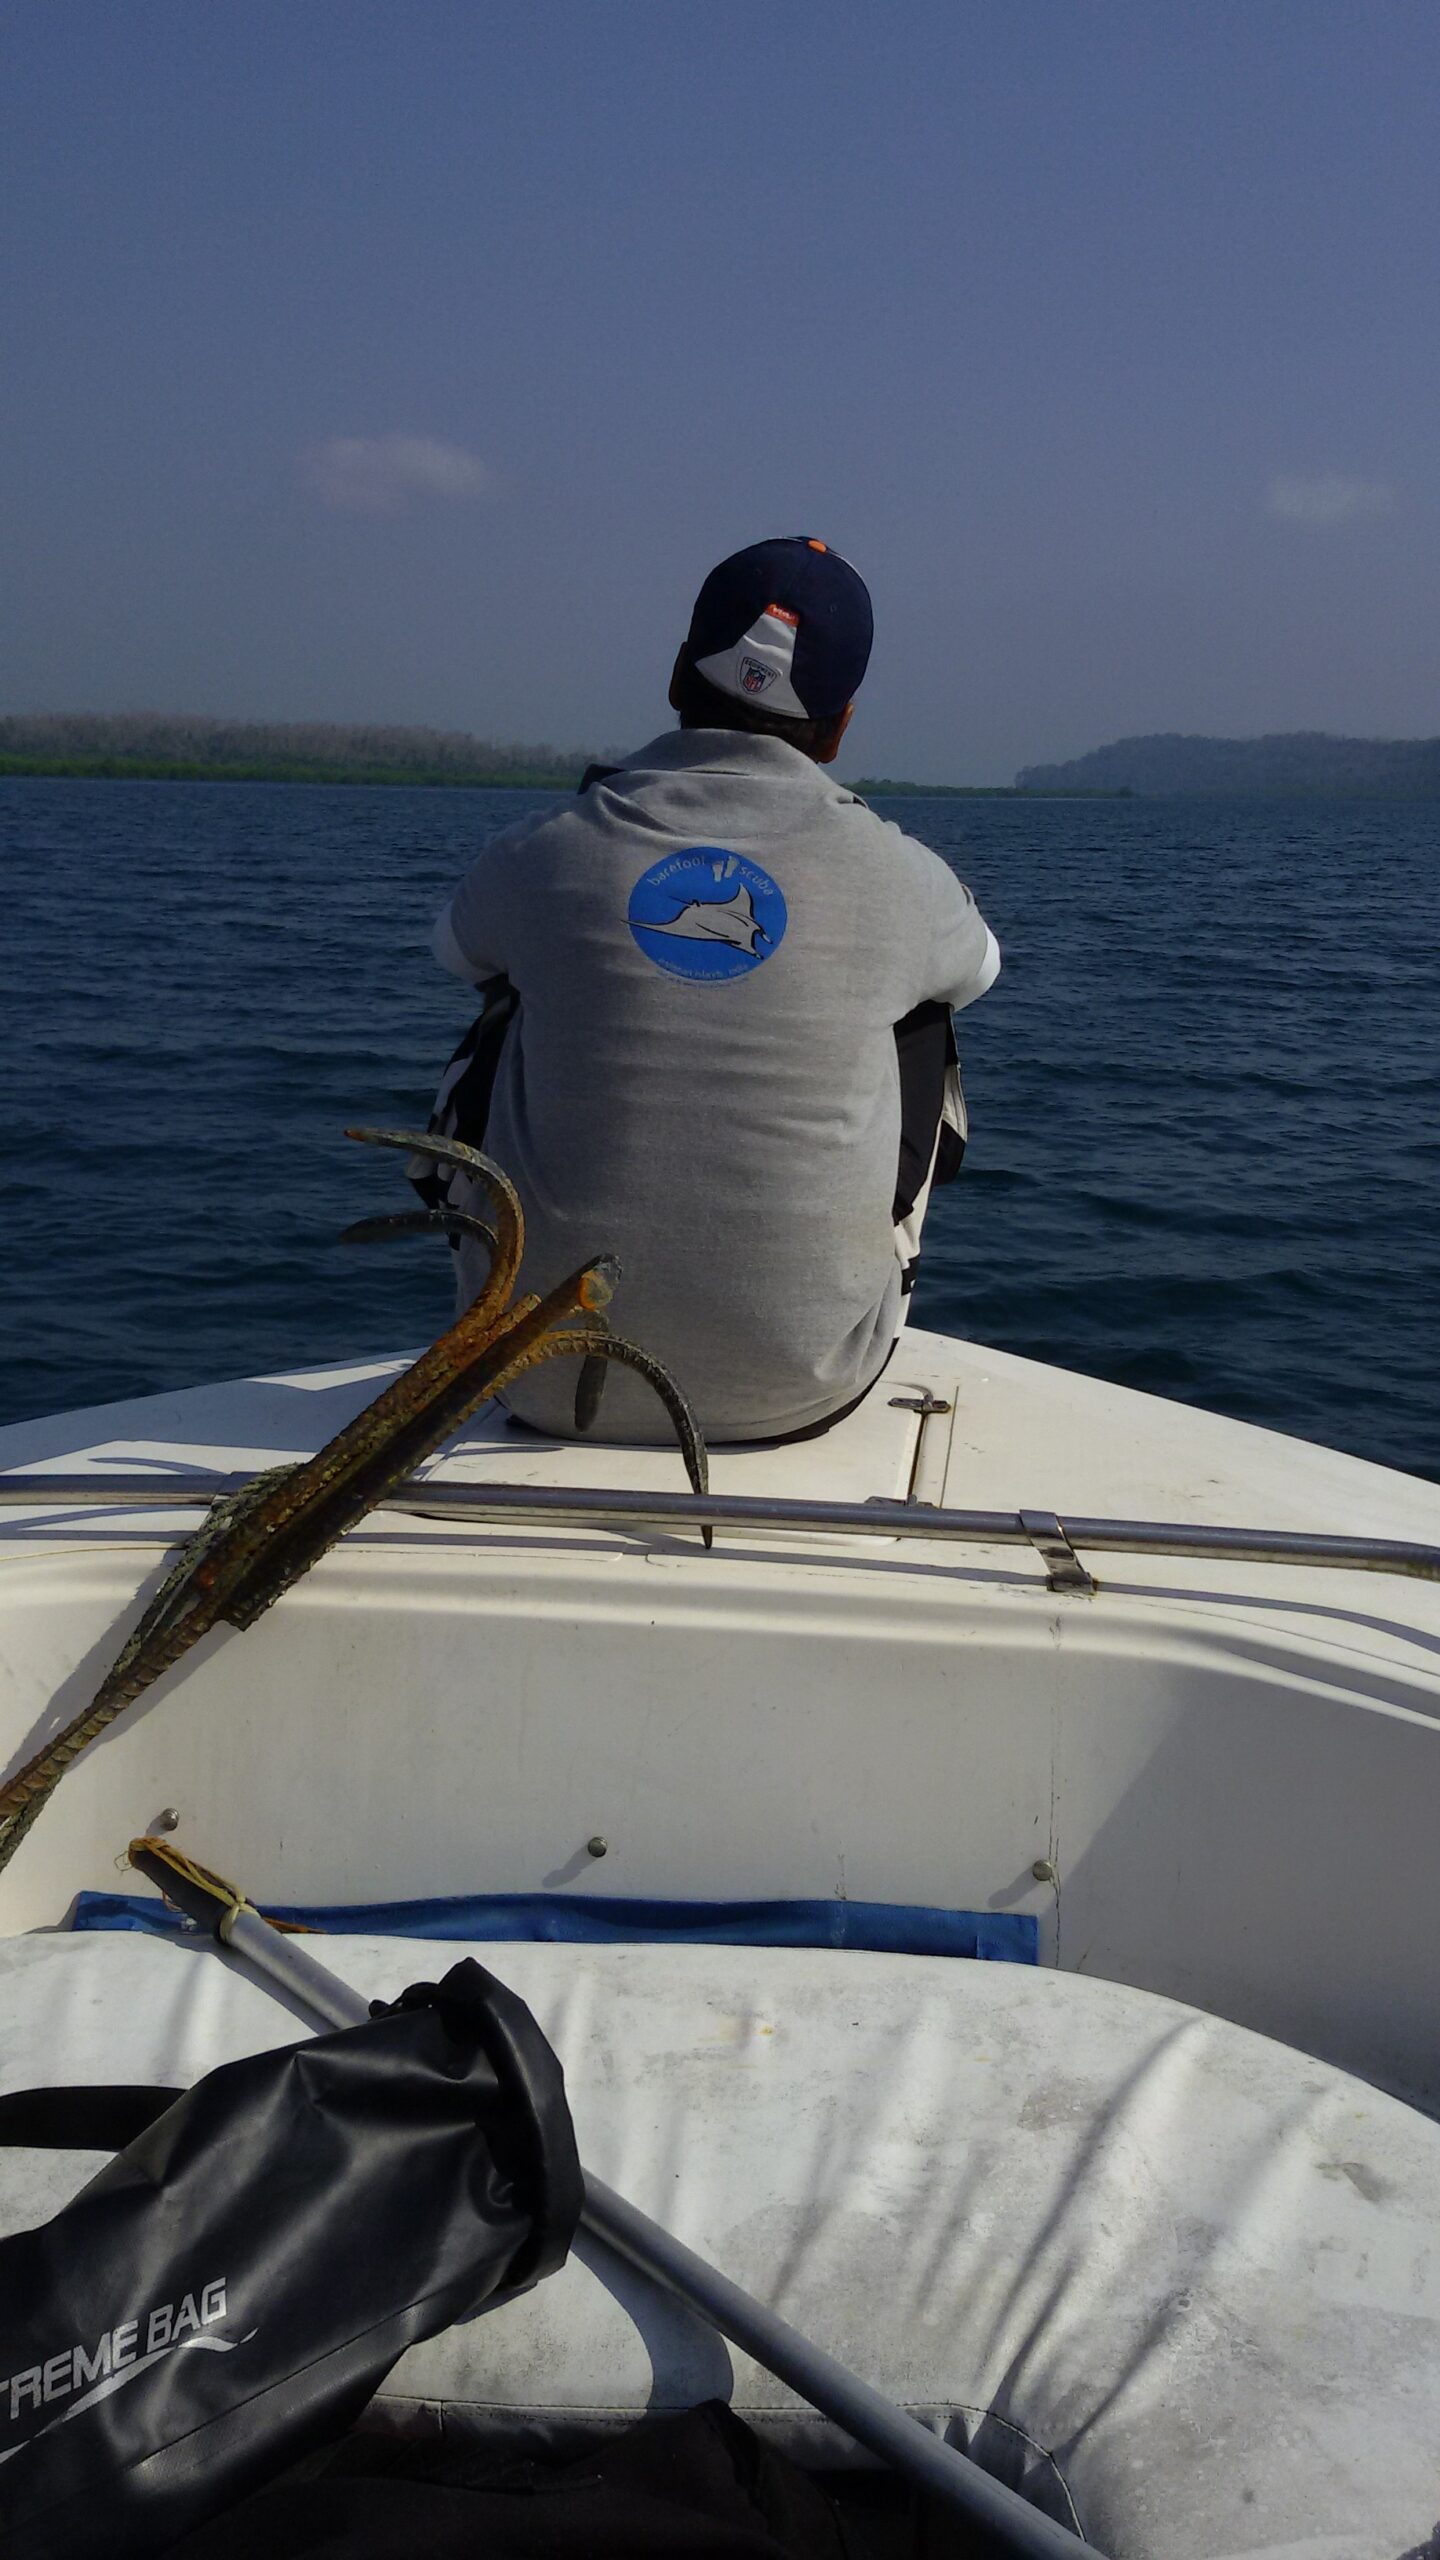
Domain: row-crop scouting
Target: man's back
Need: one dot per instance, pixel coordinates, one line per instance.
(712, 948)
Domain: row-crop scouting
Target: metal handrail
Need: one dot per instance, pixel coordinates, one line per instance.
(1049, 1536)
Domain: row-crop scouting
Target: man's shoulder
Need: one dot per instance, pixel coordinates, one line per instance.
(758, 784)
(882, 834)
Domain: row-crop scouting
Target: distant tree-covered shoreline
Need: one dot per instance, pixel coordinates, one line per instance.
(164, 747)
(415, 777)
(172, 747)
(144, 746)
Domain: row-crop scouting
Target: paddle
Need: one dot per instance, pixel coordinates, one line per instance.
(1018, 2531)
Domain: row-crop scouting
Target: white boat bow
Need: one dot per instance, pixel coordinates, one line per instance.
(1162, 2212)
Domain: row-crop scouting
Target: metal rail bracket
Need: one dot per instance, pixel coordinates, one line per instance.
(1050, 1539)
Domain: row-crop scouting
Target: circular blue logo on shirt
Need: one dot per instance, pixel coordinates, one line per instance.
(706, 913)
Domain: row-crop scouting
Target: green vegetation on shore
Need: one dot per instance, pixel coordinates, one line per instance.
(141, 746)
(263, 769)
(561, 775)
(154, 747)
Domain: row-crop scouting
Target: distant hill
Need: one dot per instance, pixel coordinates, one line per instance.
(151, 746)
(1307, 761)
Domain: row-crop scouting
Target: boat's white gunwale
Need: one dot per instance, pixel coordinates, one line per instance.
(936, 1605)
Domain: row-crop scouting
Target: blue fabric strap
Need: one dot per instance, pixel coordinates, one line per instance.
(888, 1928)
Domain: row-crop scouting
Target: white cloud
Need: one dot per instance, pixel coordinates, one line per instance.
(378, 475)
(1328, 497)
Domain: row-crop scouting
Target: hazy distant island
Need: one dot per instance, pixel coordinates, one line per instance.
(1303, 763)
(161, 747)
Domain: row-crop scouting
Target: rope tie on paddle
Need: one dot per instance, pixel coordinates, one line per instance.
(254, 1544)
(224, 1902)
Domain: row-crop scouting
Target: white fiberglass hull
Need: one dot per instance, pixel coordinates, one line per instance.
(1226, 1772)
(1184, 2269)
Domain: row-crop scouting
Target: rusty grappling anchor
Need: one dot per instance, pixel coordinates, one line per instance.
(256, 1543)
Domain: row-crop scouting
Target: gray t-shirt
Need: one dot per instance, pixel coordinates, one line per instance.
(712, 948)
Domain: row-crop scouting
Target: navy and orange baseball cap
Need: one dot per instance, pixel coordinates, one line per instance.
(784, 624)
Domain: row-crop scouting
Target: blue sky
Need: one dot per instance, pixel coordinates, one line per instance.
(413, 359)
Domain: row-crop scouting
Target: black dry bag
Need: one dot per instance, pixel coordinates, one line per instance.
(229, 2291)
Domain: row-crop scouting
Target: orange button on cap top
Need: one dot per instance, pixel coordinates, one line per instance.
(818, 546)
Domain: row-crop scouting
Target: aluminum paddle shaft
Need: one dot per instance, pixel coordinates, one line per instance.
(1017, 2530)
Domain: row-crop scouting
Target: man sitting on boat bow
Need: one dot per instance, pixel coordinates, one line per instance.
(717, 1036)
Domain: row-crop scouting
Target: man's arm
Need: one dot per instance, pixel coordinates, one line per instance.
(469, 938)
(957, 961)
(963, 961)
(984, 977)
(445, 947)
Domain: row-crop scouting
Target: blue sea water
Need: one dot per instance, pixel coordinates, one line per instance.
(1205, 1094)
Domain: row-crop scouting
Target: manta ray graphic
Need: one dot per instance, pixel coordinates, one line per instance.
(731, 920)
